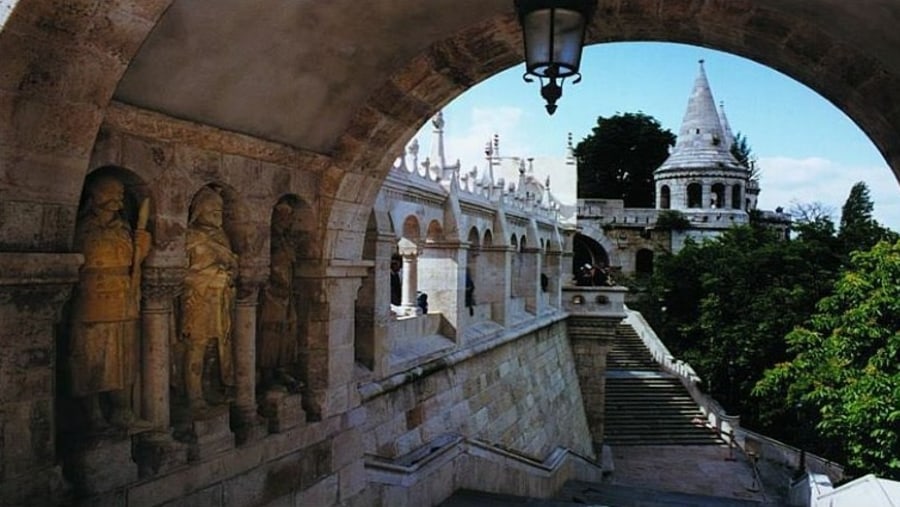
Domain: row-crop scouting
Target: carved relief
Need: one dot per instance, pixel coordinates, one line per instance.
(277, 341)
(104, 338)
(207, 305)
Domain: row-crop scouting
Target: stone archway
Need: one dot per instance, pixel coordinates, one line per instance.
(70, 62)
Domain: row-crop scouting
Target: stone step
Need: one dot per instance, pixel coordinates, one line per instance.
(587, 493)
(470, 498)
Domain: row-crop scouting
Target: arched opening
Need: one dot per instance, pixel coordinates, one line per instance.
(643, 262)
(366, 300)
(717, 196)
(586, 253)
(53, 145)
(665, 197)
(736, 196)
(694, 195)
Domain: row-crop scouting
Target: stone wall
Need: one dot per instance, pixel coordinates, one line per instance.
(504, 395)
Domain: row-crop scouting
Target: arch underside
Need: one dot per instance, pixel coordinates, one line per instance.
(71, 65)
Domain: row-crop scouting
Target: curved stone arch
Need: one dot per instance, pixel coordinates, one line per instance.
(411, 228)
(474, 238)
(609, 246)
(665, 197)
(851, 68)
(136, 190)
(777, 39)
(488, 239)
(304, 221)
(514, 242)
(435, 232)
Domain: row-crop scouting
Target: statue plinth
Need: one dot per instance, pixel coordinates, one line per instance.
(283, 410)
(211, 433)
(156, 452)
(248, 425)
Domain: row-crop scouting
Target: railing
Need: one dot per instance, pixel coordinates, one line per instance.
(406, 478)
(728, 426)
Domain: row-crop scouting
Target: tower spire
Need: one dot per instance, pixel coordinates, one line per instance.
(726, 128)
(702, 141)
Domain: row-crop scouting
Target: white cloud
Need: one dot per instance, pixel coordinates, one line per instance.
(785, 180)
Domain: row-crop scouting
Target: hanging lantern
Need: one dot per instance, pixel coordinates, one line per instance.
(553, 31)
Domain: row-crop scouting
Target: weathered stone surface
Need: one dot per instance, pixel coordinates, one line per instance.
(282, 410)
(211, 434)
(101, 465)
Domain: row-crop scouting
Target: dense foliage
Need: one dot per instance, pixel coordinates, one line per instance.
(819, 313)
(846, 363)
(725, 305)
(617, 160)
(858, 229)
(743, 153)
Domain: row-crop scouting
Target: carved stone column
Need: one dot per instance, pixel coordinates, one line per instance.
(159, 288)
(156, 451)
(409, 251)
(249, 426)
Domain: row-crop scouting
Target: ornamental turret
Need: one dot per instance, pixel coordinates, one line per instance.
(701, 173)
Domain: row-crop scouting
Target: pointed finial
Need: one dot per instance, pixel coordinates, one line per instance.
(438, 120)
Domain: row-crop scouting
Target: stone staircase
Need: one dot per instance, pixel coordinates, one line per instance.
(584, 494)
(646, 406)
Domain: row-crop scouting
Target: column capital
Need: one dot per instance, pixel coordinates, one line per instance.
(407, 248)
(159, 285)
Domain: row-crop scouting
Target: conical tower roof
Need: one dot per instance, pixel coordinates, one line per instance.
(726, 127)
(702, 142)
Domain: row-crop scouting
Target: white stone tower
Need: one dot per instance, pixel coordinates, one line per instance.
(701, 175)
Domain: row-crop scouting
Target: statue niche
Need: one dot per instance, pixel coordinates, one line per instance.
(207, 306)
(103, 360)
(277, 344)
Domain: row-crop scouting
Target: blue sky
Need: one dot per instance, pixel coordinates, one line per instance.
(809, 151)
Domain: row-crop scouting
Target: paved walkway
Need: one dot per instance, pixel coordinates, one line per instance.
(698, 470)
(659, 476)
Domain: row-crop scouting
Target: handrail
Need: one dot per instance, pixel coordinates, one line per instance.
(724, 423)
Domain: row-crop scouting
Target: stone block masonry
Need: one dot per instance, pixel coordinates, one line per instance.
(504, 396)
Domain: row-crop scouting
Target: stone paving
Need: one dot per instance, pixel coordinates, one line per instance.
(699, 470)
(670, 476)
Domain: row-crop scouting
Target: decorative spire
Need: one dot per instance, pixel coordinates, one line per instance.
(701, 141)
(413, 150)
(437, 145)
(726, 128)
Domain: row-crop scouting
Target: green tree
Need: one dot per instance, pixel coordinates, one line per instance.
(743, 153)
(617, 160)
(858, 229)
(846, 364)
(730, 301)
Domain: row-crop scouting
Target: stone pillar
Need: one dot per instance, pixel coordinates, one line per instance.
(159, 288)
(444, 279)
(249, 426)
(594, 314)
(33, 290)
(327, 335)
(531, 278)
(495, 286)
(554, 272)
(409, 251)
